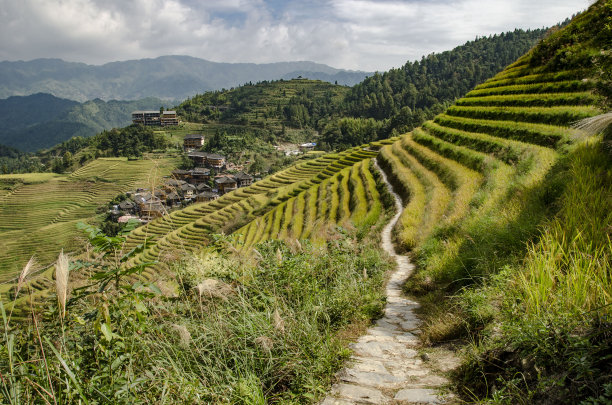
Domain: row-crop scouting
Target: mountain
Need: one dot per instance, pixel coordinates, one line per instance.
(41, 120)
(166, 77)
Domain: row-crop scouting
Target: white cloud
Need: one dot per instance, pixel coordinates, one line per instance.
(356, 34)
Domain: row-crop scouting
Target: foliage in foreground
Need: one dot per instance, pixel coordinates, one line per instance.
(265, 326)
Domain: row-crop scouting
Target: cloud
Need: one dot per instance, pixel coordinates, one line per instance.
(355, 34)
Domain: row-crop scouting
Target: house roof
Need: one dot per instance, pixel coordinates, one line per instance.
(126, 205)
(153, 206)
(215, 156)
(146, 112)
(225, 180)
(207, 194)
(203, 186)
(175, 183)
(197, 154)
(243, 176)
(179, 171)
(173, 196)
(188, 186)
(193, 136)
(200, 171)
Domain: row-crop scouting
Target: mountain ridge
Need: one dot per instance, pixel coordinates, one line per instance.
(175, 77)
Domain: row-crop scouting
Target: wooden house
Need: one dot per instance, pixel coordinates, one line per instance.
(225, 184)
(193, 141)
(127, 207)
(173, 199)
(215, 161)
(179, 174)
(206, 196)
(243, 179)
(199, 175)
(188, 191)
(199, 158)
(203, 187)
(168, 118)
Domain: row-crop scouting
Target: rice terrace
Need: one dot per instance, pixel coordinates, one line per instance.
(436, 233)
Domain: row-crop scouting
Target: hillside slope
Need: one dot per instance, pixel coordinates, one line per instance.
(508, 213)
(192, 228)
(38, 211)
(39, 121)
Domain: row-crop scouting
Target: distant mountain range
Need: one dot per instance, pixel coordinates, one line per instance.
(166, 77)
(39, 121)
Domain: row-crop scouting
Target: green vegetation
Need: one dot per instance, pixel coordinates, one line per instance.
(351, 194)
(398, 100)
(38, 211)
(507, 216)
(295, 103)
(40, 121)
(191, 228)
(265, 326)
(402, 99)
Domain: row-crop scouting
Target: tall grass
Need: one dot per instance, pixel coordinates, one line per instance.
(260, 326)
(568, 269)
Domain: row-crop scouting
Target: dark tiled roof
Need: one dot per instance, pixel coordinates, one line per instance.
(200, 171)
(225, 180)
(207, 194)
(193, 136)
(126, 205)
(243, 176)
(203, 186)
(175, 183)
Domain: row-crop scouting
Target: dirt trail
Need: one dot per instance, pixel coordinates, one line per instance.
(387, 366)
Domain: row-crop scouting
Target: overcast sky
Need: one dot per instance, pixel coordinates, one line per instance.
(352, 34)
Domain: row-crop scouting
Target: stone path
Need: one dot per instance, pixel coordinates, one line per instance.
(386, 367)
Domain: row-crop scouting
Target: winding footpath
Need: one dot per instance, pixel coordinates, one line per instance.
(386, 366)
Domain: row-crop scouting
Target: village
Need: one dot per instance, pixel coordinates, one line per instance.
(211, 177)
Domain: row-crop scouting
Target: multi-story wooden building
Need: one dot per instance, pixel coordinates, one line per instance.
(193, 141)
(155, 118)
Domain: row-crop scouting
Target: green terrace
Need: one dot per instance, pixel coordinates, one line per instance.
(189, 229)
(39, 211)
(472, 160)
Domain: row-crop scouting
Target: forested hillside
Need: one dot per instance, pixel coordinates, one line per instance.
(403, 98)
(40, 121)
(297, 103)
(399, 99)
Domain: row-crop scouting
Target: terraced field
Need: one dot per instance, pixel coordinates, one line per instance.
(38, 211)
(500, 139)
(268, 202)
(349, 195)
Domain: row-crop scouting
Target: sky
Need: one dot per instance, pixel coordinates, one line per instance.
(369, 35)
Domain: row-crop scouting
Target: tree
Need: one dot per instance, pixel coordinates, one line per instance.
(258, 165)
(67, 160)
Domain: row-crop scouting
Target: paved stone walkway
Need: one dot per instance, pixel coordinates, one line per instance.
(385, 367)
